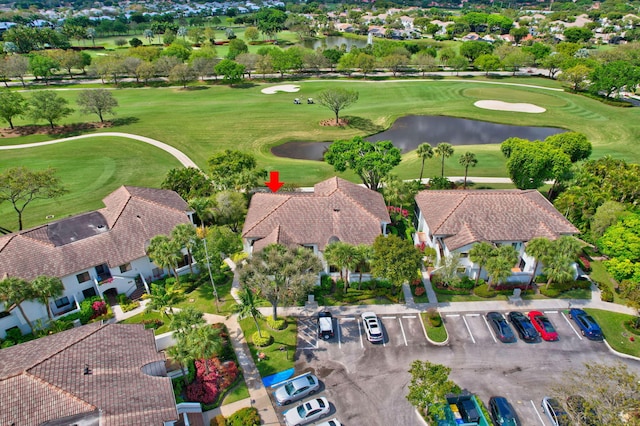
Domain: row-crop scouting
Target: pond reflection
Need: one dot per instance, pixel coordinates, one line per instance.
(410, 131)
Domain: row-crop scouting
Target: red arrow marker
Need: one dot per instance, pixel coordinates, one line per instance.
(274, 181)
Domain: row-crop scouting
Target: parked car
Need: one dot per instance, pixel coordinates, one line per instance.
(523, 326)
(501, 327)
(296, 388)
(307, 412)
(372, 327)
(587, 325)
(555, 412)
(502, 412)
(332, 422)
(543, 326)
(580, 410)
(325, 325)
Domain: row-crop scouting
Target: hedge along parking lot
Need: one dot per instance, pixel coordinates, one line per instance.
(221, 117)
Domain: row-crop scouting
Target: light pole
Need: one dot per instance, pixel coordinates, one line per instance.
(215, 292)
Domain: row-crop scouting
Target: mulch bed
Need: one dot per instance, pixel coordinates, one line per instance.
(47, 130)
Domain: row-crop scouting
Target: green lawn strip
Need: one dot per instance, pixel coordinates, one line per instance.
(239, 392)
(436, 334)
(424, 298)
(615, 333)
(600, 275)
(202, 298)
(150, 316)
(90, 170)
(276, 359)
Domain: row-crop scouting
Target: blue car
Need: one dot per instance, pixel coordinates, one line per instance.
(587, 325)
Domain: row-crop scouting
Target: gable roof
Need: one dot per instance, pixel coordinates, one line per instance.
(466, 217)
(115, 235)
(337, 208)
(44, 380)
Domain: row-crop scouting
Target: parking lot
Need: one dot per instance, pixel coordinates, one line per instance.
(367, 383)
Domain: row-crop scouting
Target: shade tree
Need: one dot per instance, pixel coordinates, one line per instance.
(12, 104)
(97, 101)
(337, 100)
(395, 259)
(49, 106)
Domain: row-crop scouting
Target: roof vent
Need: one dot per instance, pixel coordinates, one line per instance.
(336, 210)
(87, 370)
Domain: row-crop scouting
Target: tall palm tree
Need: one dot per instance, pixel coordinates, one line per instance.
(185, 235)
(567, 246)
(558, 269)
(344, 257)
(424, 151)
(500, 264)
(468, 159)
(184, 320)
(46, 287)
(203, 207)
(480, 253)
(247, 307)
(443, 150)
(180, 353)
(163, 297)
(363, 257)
(14, 291)
(165, 252)
(538, 248)
(204, 342)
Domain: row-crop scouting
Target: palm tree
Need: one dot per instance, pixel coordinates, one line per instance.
(203, 208)
(363, 257)
(567, 246)
(204, 342)
(480, 253)
(344, 257)
(247, 307)
(558, 268)
(538, 248)
(14, 291)
(45, 287)
(443, 150)
(163, 297)
(185, 235)
(148, 34)
(180, 353)
(468, 159)
(165, 252)
(425, 151)
(186, 319)
(500, 264)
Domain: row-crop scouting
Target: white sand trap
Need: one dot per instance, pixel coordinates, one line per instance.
(508, 106)
(291, 88)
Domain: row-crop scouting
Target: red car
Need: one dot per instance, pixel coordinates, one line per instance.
(544, 326)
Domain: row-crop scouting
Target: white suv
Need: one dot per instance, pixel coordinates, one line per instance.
(372, 327)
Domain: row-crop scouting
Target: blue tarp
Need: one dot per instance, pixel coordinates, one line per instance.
(278, 377)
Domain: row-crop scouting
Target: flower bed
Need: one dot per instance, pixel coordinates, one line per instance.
(207, 386)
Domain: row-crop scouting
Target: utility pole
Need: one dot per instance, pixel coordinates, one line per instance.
(215, 292)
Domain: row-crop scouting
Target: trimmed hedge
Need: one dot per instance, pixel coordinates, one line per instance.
(556, 289)
(247, 416)
(484, 291)
(277, 324)
(263, 341)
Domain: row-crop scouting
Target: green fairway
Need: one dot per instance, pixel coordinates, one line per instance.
(90, 169)
(208, 118)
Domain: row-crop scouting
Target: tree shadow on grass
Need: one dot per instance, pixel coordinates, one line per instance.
(244, 85)
(496, 76)
(363, 124)
(124, 121)
(193, 88)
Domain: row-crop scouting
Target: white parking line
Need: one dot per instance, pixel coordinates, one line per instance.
(468, 329)
(403, 335)
(571, 325)
(339, 334)
(423, 328)
(452, 315)
(537, 413)
(490, 330)
(550, 312)
(408, 316)
(360, 332)
(388, 317)
(473, 315)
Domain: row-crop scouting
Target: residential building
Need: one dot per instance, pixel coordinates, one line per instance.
(88, 376)
(453, 221)
(94, 253)
(336, 210)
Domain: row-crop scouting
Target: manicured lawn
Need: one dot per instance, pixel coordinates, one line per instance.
(150, 316)
(600, 275)
(202, 298)
(277, 359)
(237, 393)
(437, 334)
(216, 117)
(357, 297)
(614, 331)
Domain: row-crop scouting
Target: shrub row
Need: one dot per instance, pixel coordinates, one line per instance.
(247, 416)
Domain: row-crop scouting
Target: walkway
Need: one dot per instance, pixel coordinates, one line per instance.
(179, 155)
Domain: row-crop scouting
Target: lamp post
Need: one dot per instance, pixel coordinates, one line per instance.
(215, 291)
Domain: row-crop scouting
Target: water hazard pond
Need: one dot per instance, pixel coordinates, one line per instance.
(410, 131)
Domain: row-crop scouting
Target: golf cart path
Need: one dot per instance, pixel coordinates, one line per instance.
(179, 155)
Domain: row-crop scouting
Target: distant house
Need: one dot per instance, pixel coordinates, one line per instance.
(453, 221)
(336, 210)
(94, 375)
(94, 253)
(344, 28)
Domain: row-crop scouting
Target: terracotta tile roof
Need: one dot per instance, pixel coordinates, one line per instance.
(336, 208)
(134, 216)
(44, 380)
(465, 217)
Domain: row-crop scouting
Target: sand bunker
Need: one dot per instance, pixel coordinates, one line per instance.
(507, 106)
(291, 88)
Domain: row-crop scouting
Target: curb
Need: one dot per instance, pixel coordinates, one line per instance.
(620, 354)
(433, 342)
(422, 420)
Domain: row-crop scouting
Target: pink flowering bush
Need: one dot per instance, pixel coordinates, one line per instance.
(99, 308)
(206, 387)
(398, 211)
